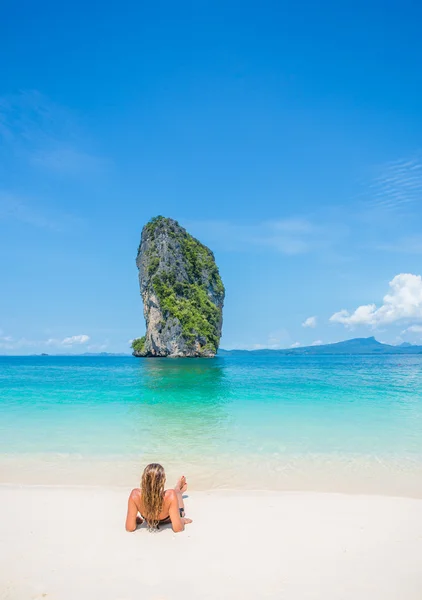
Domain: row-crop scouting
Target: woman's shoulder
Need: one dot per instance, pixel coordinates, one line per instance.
(136, 494)
(170, 494)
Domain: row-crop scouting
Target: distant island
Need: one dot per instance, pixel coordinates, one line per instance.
(89, 354)
(182, 292)
(354, 346)
(104, 354)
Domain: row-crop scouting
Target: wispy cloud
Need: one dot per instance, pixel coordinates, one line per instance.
(411, 244)
(5, 338)
(10, 344)
(97, 347)
(396, 185)
(45, 135)
(14, 207)
(67, 161)
(290, 236)
(279, 338)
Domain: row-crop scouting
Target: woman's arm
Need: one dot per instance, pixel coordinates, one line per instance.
(177, 523)
(132, 512)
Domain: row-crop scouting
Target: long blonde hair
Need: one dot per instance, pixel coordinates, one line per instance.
(152, 485)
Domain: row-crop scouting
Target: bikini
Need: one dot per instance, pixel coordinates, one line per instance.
(167, 520)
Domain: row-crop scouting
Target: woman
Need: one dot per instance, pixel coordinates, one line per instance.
(156, 506)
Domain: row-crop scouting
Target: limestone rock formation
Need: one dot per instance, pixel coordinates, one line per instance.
(182, 292)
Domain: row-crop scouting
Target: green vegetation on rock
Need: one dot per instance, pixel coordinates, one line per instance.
(189, 303)
(182, 275)
(138, 345)
(199, 258)
(153, 265)
(151, 225)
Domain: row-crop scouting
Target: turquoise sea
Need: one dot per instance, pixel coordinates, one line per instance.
(285, 422)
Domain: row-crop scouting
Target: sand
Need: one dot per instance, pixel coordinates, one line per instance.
(70, 544)
(346, 474)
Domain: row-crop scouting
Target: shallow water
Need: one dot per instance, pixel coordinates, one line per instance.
(247, 421)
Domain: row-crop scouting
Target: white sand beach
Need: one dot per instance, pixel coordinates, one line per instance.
(70, 544)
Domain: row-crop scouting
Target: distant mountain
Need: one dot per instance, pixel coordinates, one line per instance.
(105, 354)
(79, 355)
(355, 346)
(88, 354)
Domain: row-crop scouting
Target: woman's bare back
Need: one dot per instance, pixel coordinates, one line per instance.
(164, 514)
(173, 508)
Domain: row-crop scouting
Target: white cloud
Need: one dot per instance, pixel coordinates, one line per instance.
(296, 345)
(75, 339)
(310, 322)
(11, 344)
(317, 343)
(68, 341)
(413, 329)
(403, 302)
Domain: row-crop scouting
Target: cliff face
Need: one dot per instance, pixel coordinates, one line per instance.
(182, 292)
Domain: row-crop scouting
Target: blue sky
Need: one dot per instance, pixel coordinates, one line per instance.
(286, 136)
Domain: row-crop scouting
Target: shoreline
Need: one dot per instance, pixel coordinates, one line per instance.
(119, 489)
(320, 474)
(66, 543)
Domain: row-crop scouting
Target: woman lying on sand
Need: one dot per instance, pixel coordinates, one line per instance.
(156, 506)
